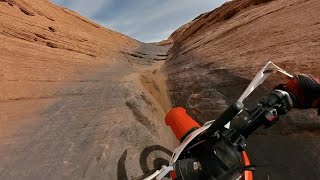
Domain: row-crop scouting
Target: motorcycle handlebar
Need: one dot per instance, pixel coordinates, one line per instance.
(277, 103)
(225, 117)
(275, 97)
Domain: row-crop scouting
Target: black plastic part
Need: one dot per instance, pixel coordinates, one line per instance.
(250, 168)
(185, 169)
(224, 161)
(225, 117)
(273, 99)
(267, 112)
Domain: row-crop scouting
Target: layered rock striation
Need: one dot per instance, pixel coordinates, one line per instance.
(215, 56)
(77, 101)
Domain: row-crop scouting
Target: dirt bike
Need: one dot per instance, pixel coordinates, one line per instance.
(216, 151)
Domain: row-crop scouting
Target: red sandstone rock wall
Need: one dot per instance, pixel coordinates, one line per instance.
(77, 100)
(215, 57)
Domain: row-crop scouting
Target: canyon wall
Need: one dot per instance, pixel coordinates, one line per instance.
(215, 56)
(77, 101)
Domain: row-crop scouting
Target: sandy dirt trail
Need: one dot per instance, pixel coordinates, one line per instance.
(97, 129)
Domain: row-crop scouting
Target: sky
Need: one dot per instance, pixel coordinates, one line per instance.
(144, 20)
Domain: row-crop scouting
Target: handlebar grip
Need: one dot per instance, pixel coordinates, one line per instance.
(225, 117)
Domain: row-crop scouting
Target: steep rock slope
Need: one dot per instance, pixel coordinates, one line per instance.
(77, 101)
(215, 56)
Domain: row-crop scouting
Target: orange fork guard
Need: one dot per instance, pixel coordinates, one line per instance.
(180, 122)
(247, 175)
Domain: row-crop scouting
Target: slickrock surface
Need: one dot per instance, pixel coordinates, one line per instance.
(215, 56)
(77, 101)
